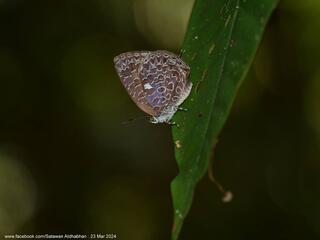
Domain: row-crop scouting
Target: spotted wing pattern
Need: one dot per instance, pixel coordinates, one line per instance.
(156, 81)
(127, 65)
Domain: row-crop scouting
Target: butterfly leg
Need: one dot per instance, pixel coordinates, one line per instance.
(153, 120)
(183, 109)
(173, 123)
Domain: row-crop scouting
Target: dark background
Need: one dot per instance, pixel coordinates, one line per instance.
(68, 164)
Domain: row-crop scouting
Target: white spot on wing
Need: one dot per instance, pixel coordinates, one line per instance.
(147, 86)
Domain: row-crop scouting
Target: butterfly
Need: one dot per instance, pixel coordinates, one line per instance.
(155, 80)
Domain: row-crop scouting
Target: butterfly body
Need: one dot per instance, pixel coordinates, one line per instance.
(155, 80)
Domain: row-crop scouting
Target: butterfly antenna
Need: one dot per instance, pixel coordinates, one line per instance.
(130, 120)
(227, 195)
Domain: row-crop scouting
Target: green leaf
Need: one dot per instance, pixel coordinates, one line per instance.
(219, 46)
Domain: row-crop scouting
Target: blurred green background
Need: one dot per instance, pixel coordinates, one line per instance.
(68, 164)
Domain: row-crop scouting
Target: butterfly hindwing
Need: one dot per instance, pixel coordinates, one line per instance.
(164, 77)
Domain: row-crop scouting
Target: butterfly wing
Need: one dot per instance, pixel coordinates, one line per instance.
(164, 79)
(127, 65)
(156, 81)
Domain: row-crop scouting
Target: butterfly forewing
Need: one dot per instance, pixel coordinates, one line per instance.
(127, 65)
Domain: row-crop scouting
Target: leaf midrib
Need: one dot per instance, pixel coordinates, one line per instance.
(235, 16)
